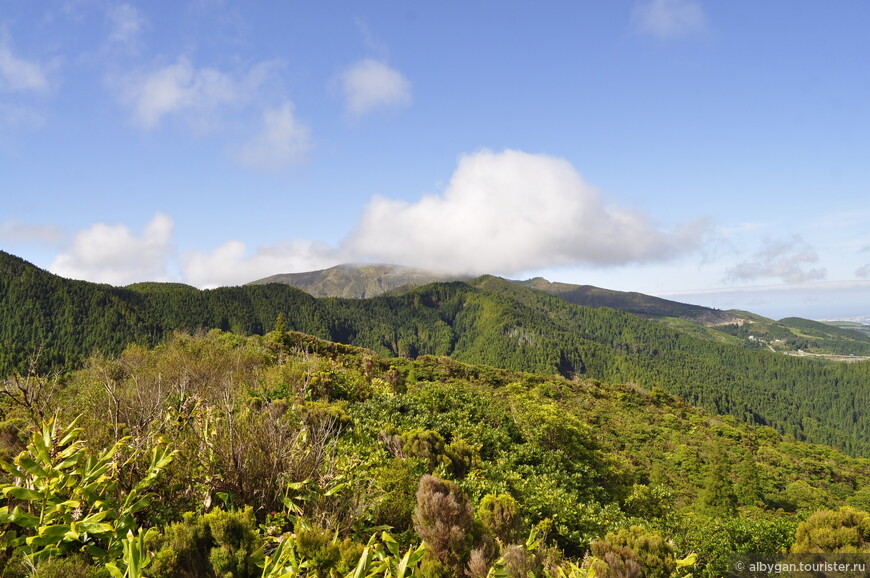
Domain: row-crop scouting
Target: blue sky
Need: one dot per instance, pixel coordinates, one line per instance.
(710, 152)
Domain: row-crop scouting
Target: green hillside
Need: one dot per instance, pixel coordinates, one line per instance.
(485, 321)
(630, 302)
(309, 449)
(735, 327)
(794, 334)
(862, 328)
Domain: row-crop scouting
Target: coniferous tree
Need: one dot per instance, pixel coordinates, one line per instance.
(717, 497)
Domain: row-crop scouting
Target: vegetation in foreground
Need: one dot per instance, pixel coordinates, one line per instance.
(284, 455)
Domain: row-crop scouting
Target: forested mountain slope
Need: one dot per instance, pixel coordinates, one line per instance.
(323, 445)
(371, 280)
(790, 335)
(488, 321)
(630, 302)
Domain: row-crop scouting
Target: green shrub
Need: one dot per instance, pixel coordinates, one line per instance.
(426, 445)
(633, 550)
(846, 530)
(219, 544)
(397, 482)
(716, 539)
(501, 517)
(64, 498)
(72, 567)
(461, 457)
(319, 548)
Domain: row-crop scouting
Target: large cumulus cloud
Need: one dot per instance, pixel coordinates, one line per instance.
(510, 212)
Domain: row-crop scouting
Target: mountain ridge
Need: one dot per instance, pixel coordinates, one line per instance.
(358, 280)
(363, 280)
(790, 335)
(487, 320)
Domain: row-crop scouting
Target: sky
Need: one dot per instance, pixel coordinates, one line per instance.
(713, 153)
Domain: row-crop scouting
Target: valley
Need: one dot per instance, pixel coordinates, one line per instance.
(591, 428)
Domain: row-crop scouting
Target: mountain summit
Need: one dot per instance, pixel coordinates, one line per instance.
(358, 280)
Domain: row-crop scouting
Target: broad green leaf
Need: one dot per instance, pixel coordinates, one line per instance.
(23, 494)
(362, 566)
(93, 528)
(67, 505)
(138, 505)
(49, 535)
(12, 469)
(23, 519)
(390, 543)
(689, 560)
(68, 462)
(413, 557)
(114, 570)
(96, 552)
(96, 517)
(29, 465)
(72, 432)
(335, 489)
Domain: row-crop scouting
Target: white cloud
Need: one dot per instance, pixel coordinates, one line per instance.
(230, 263)
(283, 140)
(114, 254)
(19, 75)
(863, 271)
(178, 87)
(370, 84)
(19, 116)
(511, 212)
(669, 18)
(369, 39)
(199, 92)
(783, 259)
(502, 213)
(15, 231)
(126, 23)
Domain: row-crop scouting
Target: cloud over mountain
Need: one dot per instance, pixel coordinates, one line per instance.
(502, 213)
(231, 263)
(510, 212)
(116, 255)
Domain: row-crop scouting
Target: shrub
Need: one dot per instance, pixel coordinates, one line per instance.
(318, 547)
(397, 482)
(65, 498)
(72, 567)
(633, 552)
(442, 519)
(427, 445)
(846, 530)
(461, 456)
(519, 563)
(218, 544)
(501, 517)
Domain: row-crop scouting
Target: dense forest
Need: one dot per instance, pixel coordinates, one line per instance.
(59, 323)
(219, 455)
